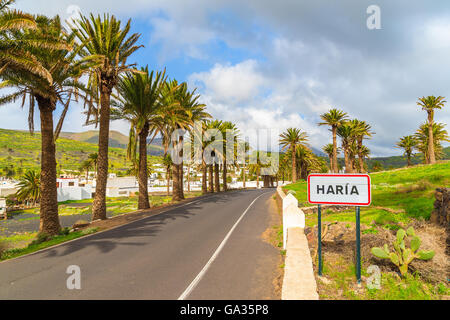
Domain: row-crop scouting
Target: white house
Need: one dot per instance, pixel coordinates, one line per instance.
(121, 187)
(70, 189)
(3, 213)
(7, 188)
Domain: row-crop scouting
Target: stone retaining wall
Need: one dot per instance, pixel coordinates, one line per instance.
(441, 212)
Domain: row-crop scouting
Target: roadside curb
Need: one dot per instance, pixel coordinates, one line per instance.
(299, 282)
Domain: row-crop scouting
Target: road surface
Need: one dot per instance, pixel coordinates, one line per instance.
(209, 249)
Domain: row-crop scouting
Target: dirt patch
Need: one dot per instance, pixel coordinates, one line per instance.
(339, 243)
(272, 236)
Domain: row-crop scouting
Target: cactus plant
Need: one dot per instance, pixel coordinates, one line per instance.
(403, 256)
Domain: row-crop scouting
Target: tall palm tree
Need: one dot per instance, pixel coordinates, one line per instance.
(191, 111)
(29, 187)
(291, 139)
(345, 132)
(105, 40)
(408, 144)
(217, 154)
(362, 131)
(429, 104)
(139, 103)
(229, 132)
(64, 70)
(246, 149)
(334, 118)
(423, 140)
(328, 149)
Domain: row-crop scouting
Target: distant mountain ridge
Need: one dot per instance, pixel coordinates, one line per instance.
(116, 140)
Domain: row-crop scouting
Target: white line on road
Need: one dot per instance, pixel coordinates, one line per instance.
(197, 279)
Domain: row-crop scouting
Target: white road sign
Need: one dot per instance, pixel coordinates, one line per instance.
(339, 189)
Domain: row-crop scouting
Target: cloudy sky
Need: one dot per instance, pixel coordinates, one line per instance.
(279, 64)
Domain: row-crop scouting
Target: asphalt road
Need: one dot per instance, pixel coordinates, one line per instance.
(208, 249)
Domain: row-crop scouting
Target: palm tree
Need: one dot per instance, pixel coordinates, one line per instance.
(246, 149)
(291, 139)
(423, 141)
(334, 118)
(191, 111)
(29, 187)
(105, 40)
(93, 161)
(139, 103)
(167, 162)
(216, 154)
(328, 149)
(58, 86)
(429, 104)
(13, 52)
(345, 132)
(362, 130)
(230, 132)
(408, 144)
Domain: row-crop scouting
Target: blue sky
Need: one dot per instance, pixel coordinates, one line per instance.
(267, 64)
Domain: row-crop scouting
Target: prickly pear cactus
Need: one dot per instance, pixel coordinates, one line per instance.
(403, 256)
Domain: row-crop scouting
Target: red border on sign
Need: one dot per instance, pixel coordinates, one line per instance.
(342, 175)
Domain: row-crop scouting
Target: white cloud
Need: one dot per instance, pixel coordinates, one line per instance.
(228, 83)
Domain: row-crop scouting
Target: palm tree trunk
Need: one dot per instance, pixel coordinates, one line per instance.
(168, 180)
(99, 204)
(49, 220)
(348, 165)
(181, 171)
(189, 178)
(257, 180)
(331, 163)
(211, 178)
(176, 183)
(224, 173)
(143, 202)
(335, 162)
(432, 155)
(360, 157)
(216, 177)
(244, 176)
(294, 165)
(204, 177)
(408, 157)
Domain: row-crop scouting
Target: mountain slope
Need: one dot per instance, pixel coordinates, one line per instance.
(116, 140)
(20, 151)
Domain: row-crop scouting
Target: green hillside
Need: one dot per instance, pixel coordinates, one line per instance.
(116, 140)
(395, 162)
(410, 191)
(20, 151)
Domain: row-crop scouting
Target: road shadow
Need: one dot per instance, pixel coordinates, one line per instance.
(138, 232)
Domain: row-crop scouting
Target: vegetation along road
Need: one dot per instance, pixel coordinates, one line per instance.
(210, 248)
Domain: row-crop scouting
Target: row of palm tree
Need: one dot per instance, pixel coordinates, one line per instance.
(294, 142)
(430, 135)
(44, 63)
(419, 141)
(352, 134)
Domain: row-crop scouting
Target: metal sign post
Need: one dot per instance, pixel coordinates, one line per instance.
(358, 245)
(319, 240)
(340, 189)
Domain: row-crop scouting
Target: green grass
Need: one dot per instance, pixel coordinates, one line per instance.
(115, 206)
(412, 287)
(410, 190)
(36, 246)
